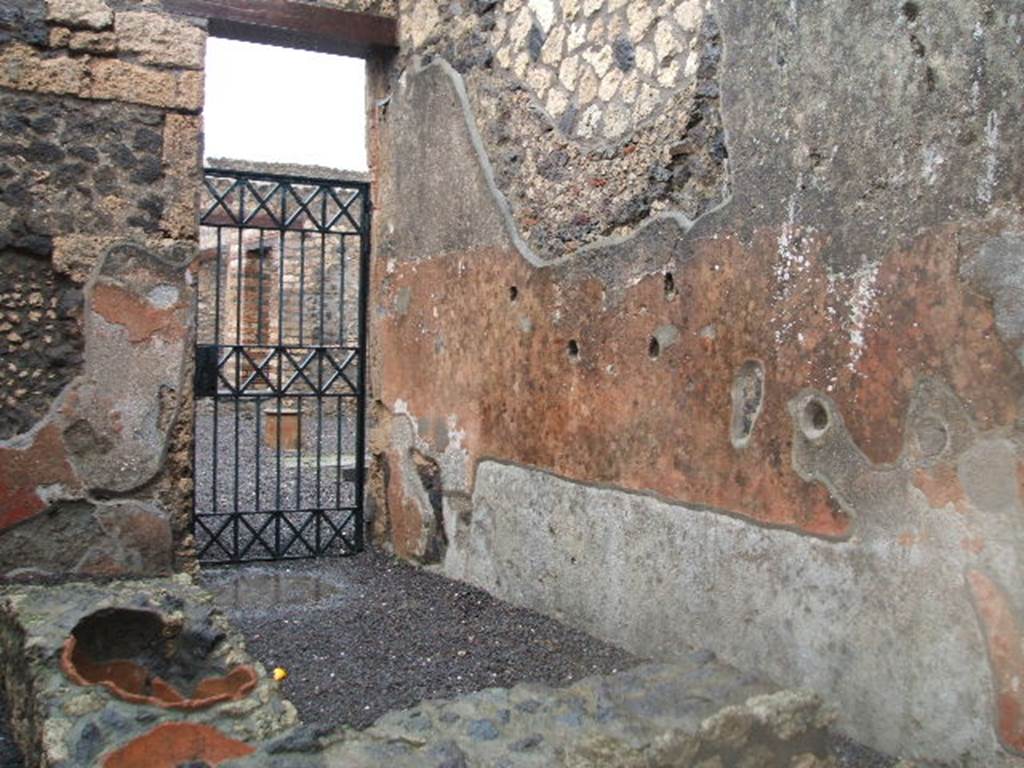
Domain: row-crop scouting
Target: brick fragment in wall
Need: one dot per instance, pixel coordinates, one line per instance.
(156, 38)
(81, 14)
(92, 42)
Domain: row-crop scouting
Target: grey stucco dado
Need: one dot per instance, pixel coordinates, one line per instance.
(885, 634)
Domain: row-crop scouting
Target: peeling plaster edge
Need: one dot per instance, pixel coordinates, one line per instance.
(986, 643)
(23, 441)
(686, 506)
(187, 360)
(853, 530)
(680, 219)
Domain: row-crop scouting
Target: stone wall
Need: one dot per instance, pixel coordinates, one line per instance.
(595, 114)
(99, 158)
(774, 410)
(100, 139)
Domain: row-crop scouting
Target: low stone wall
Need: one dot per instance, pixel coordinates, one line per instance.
(92, 676)
(697, 713)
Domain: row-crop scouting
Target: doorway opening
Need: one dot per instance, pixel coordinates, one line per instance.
(282, 280)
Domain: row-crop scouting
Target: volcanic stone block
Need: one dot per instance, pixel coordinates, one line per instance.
(159, 39)
(84, 14)
(75, 168)
(699, 712)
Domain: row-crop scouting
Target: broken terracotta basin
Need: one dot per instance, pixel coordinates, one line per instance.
(142, 659)
(174, 744)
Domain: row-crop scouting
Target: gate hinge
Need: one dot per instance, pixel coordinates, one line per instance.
(204, 382)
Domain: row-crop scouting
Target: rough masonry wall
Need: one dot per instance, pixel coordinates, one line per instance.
(99, 154)
(595, 115)
(787, 431)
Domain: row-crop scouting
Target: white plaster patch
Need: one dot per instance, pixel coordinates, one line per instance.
(455, 435)
(861, 305)
(544, 12)
(163, 296)
(987, 182)
(931, 164)
(53, 492)
(791, 262)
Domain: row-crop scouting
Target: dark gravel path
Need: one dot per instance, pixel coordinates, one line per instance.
(10, 757)
(364, 635)
(850, 754)
(367, 634)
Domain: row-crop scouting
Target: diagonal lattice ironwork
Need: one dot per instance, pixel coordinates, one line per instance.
(276, 202)
(280, 381)
(304, 371)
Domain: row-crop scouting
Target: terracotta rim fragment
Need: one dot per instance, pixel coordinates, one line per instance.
(172, 744)
(128, 681)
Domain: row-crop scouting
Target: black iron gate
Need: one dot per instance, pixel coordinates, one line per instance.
(280, 378)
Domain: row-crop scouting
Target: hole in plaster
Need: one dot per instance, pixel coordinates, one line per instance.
(670, 286)
(931, 435)
(143, 659)
(573, 349)
(653, 348)
(910, 10)
(814, 420)
(513, 293)
(747, 399)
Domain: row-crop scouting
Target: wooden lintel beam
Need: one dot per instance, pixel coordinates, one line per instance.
(293, 25)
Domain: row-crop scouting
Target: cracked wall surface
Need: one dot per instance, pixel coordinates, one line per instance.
(782, 422)
(99, 156)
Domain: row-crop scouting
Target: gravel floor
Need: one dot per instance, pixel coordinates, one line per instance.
(850, 754)
(9, 755)
(364, 635)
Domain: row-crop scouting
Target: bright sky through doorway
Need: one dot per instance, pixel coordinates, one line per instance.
(282, 105)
